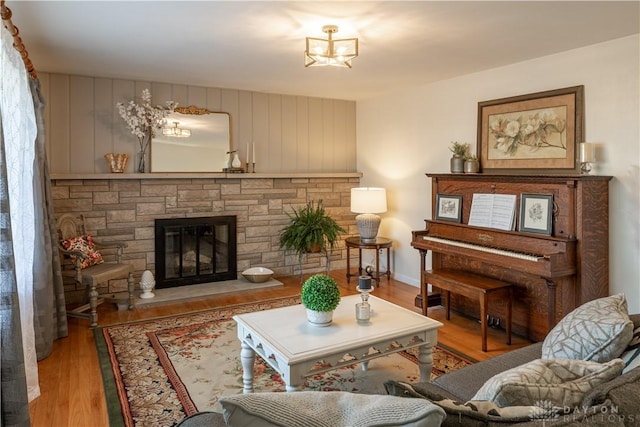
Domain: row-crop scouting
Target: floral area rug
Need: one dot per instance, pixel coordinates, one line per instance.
(157, 372)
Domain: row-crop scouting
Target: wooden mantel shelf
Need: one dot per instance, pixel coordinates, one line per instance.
(201, 175)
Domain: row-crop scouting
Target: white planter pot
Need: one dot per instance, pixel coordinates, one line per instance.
(319, 318)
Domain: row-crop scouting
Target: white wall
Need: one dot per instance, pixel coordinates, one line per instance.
(403, 135)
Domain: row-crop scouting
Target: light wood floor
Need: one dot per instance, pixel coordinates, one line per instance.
(70, 381)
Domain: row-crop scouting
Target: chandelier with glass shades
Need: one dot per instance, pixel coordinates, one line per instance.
(176, 131)
(323, 52)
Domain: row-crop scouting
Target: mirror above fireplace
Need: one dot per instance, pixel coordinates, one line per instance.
(194, 140)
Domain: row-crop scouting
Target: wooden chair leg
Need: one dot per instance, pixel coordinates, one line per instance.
(93, 305)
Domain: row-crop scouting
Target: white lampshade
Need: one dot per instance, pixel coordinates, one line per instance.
(368, 200)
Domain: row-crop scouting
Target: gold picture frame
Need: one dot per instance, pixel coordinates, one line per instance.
(538, 132)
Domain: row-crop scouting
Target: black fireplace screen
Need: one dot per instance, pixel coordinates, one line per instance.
(195, 250)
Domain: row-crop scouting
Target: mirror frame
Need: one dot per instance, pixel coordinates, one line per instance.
(184, 164)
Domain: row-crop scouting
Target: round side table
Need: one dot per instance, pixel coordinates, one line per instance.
(377, 244)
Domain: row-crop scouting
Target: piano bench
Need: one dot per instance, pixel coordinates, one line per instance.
(471, 286)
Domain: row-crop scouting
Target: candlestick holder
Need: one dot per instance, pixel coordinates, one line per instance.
(247, 167)
(254, 168)
(587, 157)
(363, 308)
(585, 168)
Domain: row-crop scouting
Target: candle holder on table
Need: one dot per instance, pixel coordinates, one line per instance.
(363, 309)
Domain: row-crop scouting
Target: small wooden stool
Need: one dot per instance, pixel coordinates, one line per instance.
(471, 286)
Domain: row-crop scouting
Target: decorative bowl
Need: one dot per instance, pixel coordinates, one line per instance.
(257, 274)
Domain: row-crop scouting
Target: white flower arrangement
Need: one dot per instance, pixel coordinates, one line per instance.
(533, 131)
(143, 119)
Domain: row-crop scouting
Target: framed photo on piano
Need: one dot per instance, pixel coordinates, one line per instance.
(539, 132)
(449, 207)
(536, 213)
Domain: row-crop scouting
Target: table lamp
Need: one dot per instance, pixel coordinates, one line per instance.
(368, 201)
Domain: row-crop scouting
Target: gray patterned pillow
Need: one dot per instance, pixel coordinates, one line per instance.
(562, 382)
(598, 330)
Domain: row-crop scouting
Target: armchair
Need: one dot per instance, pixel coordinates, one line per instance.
(83, 263)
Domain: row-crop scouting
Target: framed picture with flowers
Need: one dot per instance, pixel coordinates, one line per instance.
(538, 132)
(536, 213)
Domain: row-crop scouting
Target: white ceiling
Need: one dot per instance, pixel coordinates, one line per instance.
(258, 46)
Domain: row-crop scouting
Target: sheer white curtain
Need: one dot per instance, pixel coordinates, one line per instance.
(19, 129)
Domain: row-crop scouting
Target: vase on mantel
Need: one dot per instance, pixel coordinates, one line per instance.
(141, 162)
(141, 157)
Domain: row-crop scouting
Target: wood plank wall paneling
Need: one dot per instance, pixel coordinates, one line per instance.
(291, 133)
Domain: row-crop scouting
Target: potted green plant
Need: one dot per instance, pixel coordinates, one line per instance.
(471, 164)
(461, 151)
(320, 295)
(310, 229)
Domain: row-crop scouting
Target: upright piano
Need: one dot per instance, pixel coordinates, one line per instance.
(552, 273)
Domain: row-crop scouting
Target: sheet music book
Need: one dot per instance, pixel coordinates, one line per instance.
(493, 211)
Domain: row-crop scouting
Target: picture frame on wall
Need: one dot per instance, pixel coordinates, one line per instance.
(536, 213)
(449, 207)
(537, 132)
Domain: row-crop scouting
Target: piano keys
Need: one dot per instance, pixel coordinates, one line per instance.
(552, 274)
(496, 251)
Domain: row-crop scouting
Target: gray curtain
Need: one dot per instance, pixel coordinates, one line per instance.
(50, 316)
(13, 381)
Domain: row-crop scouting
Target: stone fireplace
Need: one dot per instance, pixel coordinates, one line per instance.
(124, 207)
(189, 251)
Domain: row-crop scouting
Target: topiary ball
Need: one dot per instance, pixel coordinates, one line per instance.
(320, 293)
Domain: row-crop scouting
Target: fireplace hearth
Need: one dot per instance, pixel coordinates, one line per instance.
(190, 251)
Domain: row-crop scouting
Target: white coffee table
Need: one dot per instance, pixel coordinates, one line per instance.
(285, 339)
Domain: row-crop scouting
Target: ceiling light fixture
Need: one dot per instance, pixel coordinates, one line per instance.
(337, 53)
(176, 131)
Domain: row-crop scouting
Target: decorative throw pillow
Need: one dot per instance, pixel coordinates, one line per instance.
(327, 409)
(598, 330)
(86, 246)
(631, 355)
(562, 382)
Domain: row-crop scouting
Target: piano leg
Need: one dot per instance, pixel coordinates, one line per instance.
(483, 319)
(509, 315)
(551, 309)
(423, 283)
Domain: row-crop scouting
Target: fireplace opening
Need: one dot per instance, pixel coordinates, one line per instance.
(195, 250)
